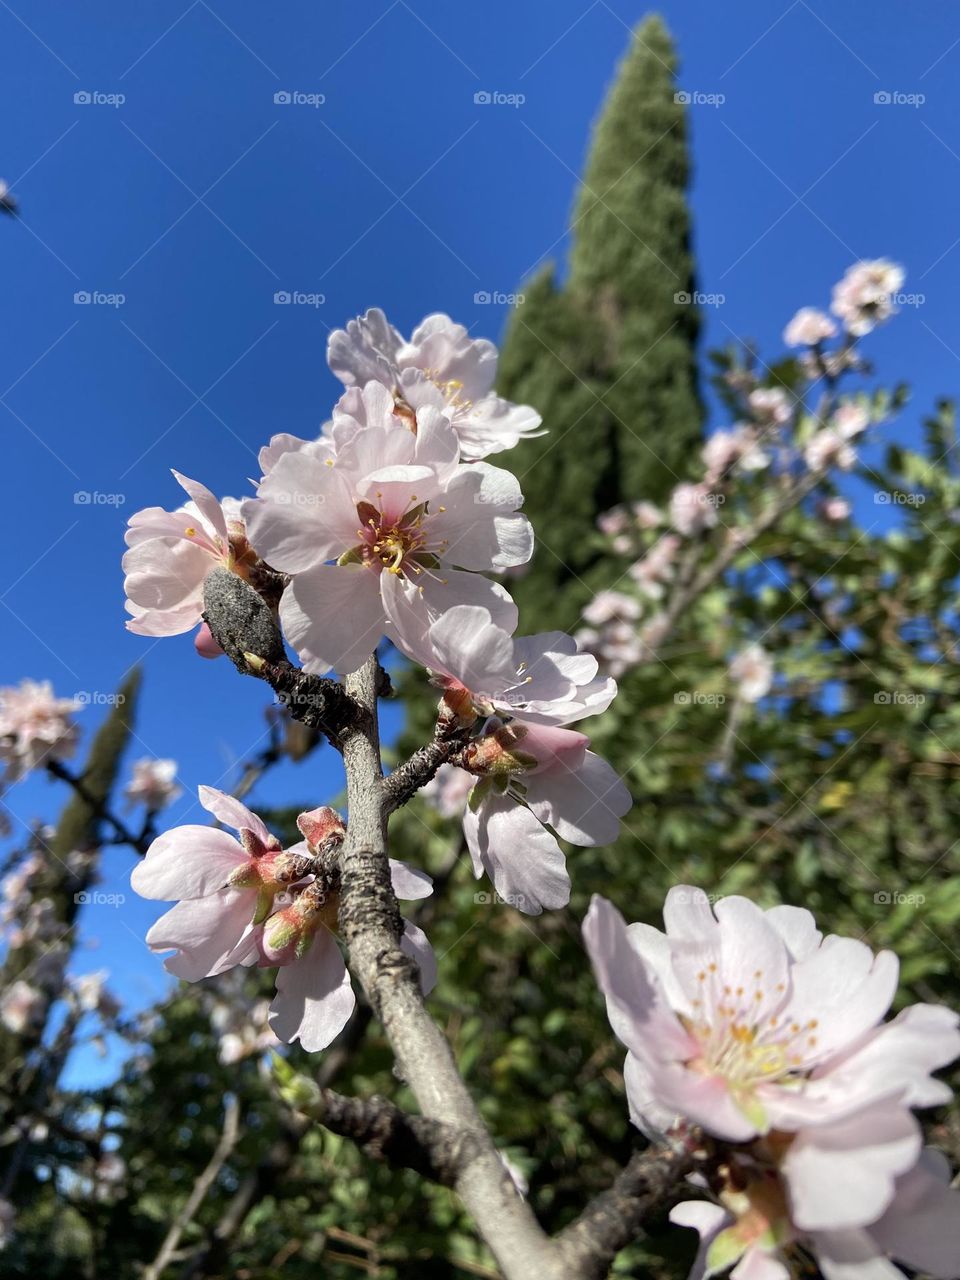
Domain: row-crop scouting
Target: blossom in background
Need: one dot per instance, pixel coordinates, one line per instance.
(170, 554)
(828, 448)
(752, 672)
(35, 726)
(656, 568)
(153, 784)
(442, 367)
(248, 901)
(808, 328)
(612, 634)
(770, 406)
(448, 790)
(726, 449)
(753, 1025)
(693, 508)
(392, 522)
(850, 420)
(835, 509)
(864, 297)
(532, 770)
(21, 1006)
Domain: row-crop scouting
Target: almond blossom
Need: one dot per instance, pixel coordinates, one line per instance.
(441, 366)
(864, 297)
(154, 784)
(21, 1006)
(35, 726)
(170, 554)
(808, 328)
(753, 1025)
(693, 508)
(391, 522)
(751, 1228)
(532, 770)
(250, 901)
(752, 670)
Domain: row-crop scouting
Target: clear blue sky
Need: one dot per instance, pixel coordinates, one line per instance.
(198, 198)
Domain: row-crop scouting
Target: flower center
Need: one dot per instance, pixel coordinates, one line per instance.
(398, 543)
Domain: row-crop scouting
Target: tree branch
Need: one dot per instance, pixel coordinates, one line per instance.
(370, 923)
(613, 1218)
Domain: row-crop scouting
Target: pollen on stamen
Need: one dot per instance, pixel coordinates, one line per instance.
(191, 532)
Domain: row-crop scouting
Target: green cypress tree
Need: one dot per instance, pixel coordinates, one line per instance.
(608, 357)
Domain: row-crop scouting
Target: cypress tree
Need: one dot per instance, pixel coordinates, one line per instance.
(608, 357)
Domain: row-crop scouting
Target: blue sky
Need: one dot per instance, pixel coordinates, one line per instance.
(182, 185)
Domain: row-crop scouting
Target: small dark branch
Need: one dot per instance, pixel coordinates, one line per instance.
(244, 626)
(100, 811)
(612, 1220)
(434, 1150)
(407, 779)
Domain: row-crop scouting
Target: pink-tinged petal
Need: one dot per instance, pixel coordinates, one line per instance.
(523, 860)
(156, 522)
(416, 945)
(165, 622)
(209, 934)
(646, 1111)
(798, 930)
(187, 862)
(413, 607)
(283, 443)
(705, 1218)
(704, 1100)
(655, 949)
(303, 513)
(314, 997)
(409, 883)
(557, 751)
(491, 425)
(638, 1012)
(753, 954)
(437, 444)
(205, 644)
(584, 805)
(164, 575)
(852, 1255)
(758, 1265)
(446, 349)
(688, 915)
(465, 643)
(842, 1175)
(207, 505)
(232, 812)
(365, 351)
(845, 988)
(482, 523)
(333, 616)
(922, 1226)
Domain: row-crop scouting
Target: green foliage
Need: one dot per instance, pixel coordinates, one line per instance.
(608, 358)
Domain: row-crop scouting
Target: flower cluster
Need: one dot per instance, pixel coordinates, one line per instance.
(391, 524)
(153, 784)
(249, 901)
(775, 448)
(770, 1036)
(35, 726)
